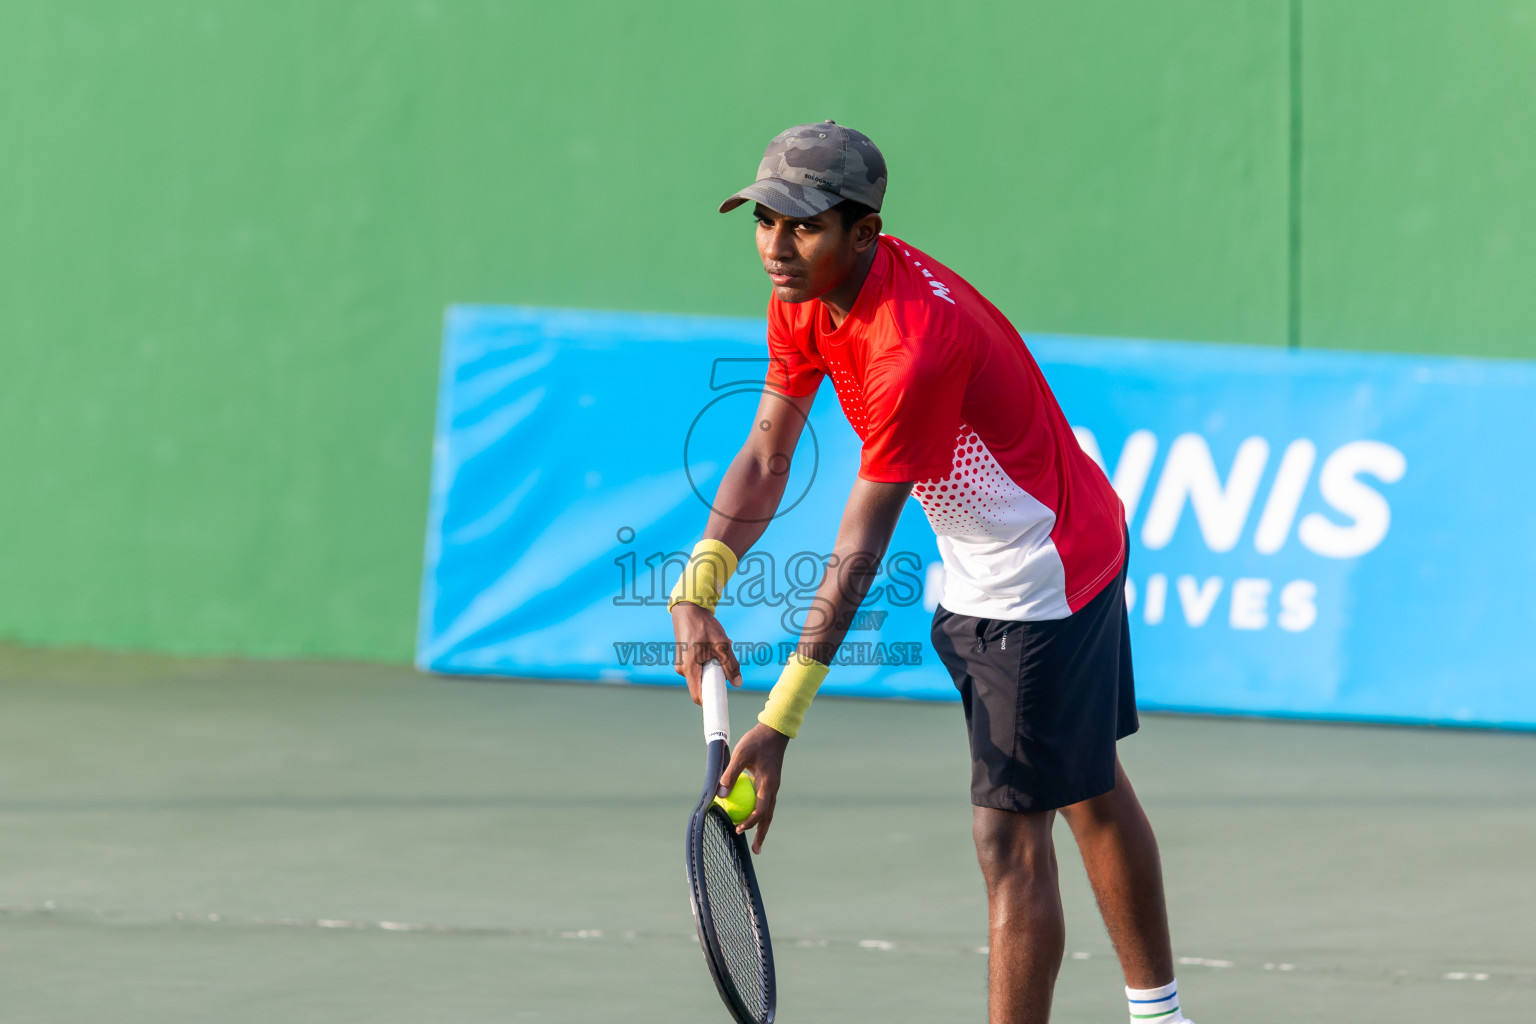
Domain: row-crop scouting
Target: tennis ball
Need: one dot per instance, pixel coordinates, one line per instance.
(742, 799)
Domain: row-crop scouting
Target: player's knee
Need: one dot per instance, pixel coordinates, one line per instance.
(1013, 848)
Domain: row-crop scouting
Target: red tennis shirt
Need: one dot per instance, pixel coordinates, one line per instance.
(943, 392)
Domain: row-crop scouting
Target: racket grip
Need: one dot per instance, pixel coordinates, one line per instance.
(717, 719)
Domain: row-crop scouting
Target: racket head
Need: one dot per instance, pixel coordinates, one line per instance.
(728, 907)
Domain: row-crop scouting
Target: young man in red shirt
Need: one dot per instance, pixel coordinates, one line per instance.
(953, 411)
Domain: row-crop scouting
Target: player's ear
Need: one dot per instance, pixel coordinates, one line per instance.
(866, 232)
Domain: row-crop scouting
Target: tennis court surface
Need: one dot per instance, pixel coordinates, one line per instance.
(254, 841)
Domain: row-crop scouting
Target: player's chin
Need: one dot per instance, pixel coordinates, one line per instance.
(794, 292)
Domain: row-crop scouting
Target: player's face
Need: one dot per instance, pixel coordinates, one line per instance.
(805, 258)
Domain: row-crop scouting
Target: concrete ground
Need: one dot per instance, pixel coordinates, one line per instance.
(246, 841)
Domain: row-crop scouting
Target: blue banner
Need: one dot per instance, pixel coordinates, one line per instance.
(1313, 533)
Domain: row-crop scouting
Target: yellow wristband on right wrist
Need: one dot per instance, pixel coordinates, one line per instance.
(704, 577)
(791, 695)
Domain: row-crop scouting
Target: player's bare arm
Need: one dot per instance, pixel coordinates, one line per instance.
(869, 519)
(823, 256)
(745, 503)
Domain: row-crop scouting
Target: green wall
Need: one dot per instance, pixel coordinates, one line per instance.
(228, 232)
(1419, 176)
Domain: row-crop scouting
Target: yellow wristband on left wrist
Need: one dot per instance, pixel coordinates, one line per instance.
(791, 695)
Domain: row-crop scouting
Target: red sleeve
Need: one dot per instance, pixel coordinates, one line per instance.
(912, 397)
(790, 370)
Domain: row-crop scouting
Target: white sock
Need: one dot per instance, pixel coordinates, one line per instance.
(1155, 1005)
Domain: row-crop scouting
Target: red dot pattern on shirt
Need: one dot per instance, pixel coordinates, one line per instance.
(976, 497)
(851, 394)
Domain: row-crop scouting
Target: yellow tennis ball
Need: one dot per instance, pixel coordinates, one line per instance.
(742, 799)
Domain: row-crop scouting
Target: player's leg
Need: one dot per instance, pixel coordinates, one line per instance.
(1013, 839)
(1120, 852)
(1026, 930)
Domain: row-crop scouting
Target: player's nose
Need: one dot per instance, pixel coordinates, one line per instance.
(780, 244)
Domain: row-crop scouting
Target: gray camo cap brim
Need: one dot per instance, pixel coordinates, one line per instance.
(784, 197)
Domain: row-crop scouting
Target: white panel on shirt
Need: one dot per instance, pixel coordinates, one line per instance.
(995, 539)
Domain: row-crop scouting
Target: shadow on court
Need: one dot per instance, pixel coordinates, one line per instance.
(245, 841)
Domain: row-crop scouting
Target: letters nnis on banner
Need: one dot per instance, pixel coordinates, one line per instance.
(1222, 510)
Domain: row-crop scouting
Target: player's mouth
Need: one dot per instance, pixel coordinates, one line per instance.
(779, 278)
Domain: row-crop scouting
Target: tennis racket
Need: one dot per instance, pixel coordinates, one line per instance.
(722, 887)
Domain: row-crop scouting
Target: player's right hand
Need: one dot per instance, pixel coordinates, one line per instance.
(700, 640)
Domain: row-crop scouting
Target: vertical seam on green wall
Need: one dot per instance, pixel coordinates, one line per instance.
(1293, 246)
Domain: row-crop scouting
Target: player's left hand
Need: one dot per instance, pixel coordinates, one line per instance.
(760, 751)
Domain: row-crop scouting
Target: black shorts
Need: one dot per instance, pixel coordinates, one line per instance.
(1044, 701)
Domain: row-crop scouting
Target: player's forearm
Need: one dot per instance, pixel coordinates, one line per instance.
(842, 590)
(869, 520)
(746, 501)
(868, 524)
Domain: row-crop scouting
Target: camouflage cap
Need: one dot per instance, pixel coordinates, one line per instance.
(813, 167)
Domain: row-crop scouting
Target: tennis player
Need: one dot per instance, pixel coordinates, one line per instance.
(1032, 626)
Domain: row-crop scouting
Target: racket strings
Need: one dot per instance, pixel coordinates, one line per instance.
(730, 905)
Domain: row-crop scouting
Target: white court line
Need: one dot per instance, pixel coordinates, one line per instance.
(50, 908)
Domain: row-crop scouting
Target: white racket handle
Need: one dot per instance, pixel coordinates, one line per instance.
(717, 720)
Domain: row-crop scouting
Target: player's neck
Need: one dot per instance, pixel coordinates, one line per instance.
(839, 301)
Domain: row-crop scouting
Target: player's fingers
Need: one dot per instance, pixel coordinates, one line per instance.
(728, 661)
(732, 770)
(719, 649)
(761, 834)
(683, 667)
(762, 811)
(761, 814)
